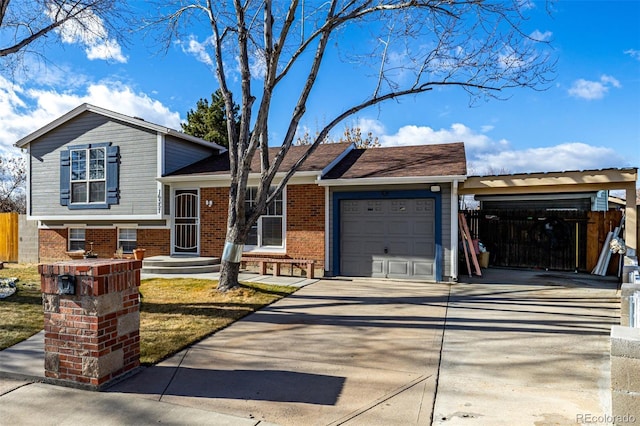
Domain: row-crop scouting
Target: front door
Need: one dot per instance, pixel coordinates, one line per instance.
(186, 222)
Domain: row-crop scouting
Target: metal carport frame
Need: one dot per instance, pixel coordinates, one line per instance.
(563, 182)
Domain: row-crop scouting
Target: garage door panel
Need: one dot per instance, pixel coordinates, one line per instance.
(400, 248)
(424, 228)
(372, 227)
(399, 267)
(404, 227)
(397, 227)
(377, 267)
(423, 269)
(424, 249)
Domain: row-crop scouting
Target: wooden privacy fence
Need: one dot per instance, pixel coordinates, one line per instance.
(565, 240)
(8, 237)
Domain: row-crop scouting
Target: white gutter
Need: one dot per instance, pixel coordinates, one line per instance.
(391, 180)
(227, 177)
(111, 218)
(28, 183)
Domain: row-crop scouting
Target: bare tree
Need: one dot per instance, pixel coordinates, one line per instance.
(13, 179)
(410, 47)
(350, 135)
(25, 25)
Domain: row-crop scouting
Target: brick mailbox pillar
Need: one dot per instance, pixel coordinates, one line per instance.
(91, 320)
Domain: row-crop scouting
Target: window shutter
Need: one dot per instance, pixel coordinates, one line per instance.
(65, 189)
(113, 166)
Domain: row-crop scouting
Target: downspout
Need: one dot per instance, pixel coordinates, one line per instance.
(28, 183)
(160, 169)
(454, 231)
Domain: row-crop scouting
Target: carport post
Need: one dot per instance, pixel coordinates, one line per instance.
(455, 209)
(630, 232)
(631, 220)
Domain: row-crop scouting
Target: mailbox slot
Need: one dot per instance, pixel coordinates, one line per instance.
(66, 284)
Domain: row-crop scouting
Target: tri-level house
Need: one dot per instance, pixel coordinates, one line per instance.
(100, 180)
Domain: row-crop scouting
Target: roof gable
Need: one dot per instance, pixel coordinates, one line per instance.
(116, 116)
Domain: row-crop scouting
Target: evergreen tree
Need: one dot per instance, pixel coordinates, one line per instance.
(209, 120)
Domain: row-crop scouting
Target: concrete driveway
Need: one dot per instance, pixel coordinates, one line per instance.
(527, 348)
(518, 348)
(335, 352)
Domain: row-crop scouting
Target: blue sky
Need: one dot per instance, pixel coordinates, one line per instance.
(588, 118)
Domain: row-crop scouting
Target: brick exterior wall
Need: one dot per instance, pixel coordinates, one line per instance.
(304, 233)
(53, 244)
(213, 221)
(305, 223)
(93, 335)
(156, 242)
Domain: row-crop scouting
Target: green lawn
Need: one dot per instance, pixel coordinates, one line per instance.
(174, 313)
(21, 314)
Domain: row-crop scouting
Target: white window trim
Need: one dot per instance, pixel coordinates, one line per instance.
(272, 249)
(119, 239)
(69, 239)
(87, 179)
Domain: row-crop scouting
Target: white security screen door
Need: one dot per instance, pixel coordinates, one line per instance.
(186, 222)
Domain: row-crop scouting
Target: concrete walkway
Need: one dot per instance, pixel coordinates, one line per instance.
(530, 348)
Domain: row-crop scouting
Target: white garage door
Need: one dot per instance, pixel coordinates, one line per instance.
(388, 238)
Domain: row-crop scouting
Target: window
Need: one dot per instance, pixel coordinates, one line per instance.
(89, 176)
(127, 239)
(267, 232)
(76, 239)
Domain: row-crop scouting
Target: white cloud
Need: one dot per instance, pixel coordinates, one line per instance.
(567, 156)
(591, 90)
(89, 30)
(541, 36)
(25, 111)
(258, 66)
(607, 79)
(198, 50)
(484, 154)
(107, 50)
(367, 125)
(417, 135)
(635, 54)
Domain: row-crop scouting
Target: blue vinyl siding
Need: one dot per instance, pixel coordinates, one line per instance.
(179, 153)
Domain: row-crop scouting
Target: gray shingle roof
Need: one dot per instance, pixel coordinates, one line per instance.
(324, 155)
(404, 161)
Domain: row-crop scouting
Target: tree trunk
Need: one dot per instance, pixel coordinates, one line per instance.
(228, 276)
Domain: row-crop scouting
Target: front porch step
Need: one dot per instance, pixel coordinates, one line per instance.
(181, 269)
(180, 265)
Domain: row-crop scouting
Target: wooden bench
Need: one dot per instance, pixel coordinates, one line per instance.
(277, 262)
